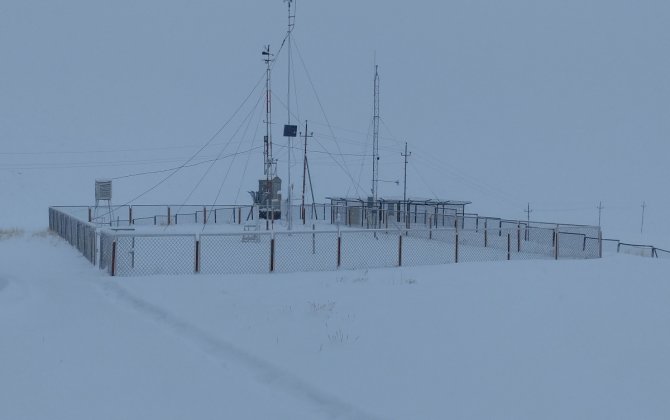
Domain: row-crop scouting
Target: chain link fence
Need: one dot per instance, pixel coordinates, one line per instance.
(235, 253)
(441, 239)
(80, 235)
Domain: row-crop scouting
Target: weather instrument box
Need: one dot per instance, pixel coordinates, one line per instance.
(290, 130)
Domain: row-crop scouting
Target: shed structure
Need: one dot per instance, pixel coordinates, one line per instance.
(396, 212)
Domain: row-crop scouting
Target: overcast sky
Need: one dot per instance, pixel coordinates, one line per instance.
(558, 103)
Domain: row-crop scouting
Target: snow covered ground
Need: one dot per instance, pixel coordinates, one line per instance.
(559, 107)
(514, 340)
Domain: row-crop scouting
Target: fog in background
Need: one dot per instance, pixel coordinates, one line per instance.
(560, 104)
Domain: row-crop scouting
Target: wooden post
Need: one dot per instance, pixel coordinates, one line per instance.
(339, 251)
(169, 216)
(239, 215)
(197, 256)
(204, 215)
(556, 248)
(518, 237)
(272, 254)
(400, 251)
(113, 258)
(130, 215)
(90, 215)
(486, 233)
(430, 231)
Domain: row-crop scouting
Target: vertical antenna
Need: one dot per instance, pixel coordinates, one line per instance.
(267, 151)
(303, 214)
(404, 183)
(528, 211)
(375, 141)
(270, 168)
(291, 23)
(405, 155)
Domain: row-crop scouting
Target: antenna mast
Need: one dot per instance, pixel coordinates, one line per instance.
(303, 214)
(375, 141)
(270, 164)
(291, 129)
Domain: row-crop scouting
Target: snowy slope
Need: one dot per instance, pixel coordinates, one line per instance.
(541, 339)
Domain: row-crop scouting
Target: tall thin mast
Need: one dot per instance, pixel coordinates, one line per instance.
(375, 141)
(267, 151)
(291, 23)
(304, 176)
(404, 183)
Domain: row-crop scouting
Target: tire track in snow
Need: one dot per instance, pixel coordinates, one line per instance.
(271, 375)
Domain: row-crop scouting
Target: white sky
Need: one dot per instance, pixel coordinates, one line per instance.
(557, 103)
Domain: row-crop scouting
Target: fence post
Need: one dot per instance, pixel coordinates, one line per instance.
(430, 231)
(399, 250)
(239, 216)
(456, 249)
(169, 217)
(204, 215)
(272, 254)
(509, 246)
(339, 250)
(197, 256)
(130, 215)
(518, 237)
(113, 258)
(90, 215)
(556, 247)
(486, 233)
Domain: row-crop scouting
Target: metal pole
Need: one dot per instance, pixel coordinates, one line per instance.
(404, 194)
(375, 139)
(291, 21)
(644, 206)
(304, 176)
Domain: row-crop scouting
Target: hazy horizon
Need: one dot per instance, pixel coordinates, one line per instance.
(560, 104)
